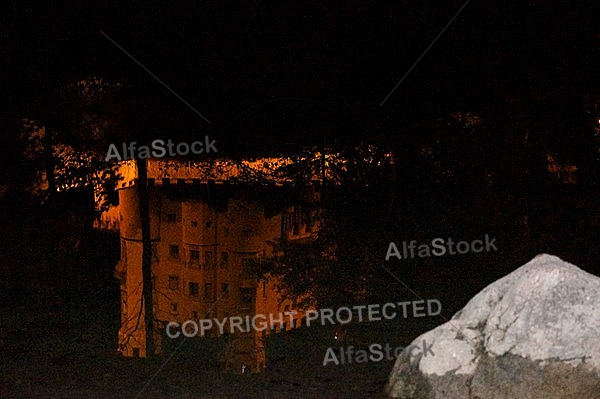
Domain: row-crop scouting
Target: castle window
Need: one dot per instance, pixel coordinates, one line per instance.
(246, 296)
(174, 251)
(173, 282)
(208, 259)
(193, 289)
(154, 253)
(208, 293)
(224, 259)
(224, 289)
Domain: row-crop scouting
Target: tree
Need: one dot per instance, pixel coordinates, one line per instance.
(339, 263)
(94, 112)
(147, 289)
(65, 147)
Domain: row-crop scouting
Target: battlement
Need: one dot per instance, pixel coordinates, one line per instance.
(265, 171)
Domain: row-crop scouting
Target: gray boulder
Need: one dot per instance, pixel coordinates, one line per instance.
(534, 333)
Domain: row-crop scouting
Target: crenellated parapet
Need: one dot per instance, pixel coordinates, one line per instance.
(264, 171)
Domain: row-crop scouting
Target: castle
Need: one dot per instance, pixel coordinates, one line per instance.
(208, 231)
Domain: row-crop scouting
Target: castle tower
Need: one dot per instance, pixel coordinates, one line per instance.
(205, 239)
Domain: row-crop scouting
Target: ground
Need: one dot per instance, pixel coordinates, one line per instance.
(59, 318)
(62, 346)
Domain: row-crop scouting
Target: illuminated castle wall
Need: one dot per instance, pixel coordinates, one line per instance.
(203, 236)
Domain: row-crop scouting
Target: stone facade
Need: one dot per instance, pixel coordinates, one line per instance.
(206, 239)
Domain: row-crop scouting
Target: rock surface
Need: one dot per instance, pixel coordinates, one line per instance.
(534, 333)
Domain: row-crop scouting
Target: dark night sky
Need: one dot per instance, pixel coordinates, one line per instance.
(540, 59)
